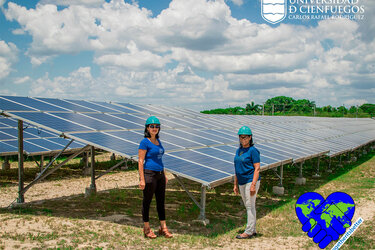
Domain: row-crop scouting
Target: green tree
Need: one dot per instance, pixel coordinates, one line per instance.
(280, 103)
(303, 106)
(353, 109)
(342, 110)
(368, 108)
(252, 108)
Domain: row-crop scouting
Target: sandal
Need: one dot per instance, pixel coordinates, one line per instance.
(164, 232)
(245, 236)
(149, 233)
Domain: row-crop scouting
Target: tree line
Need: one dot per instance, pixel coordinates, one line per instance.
(283, 105)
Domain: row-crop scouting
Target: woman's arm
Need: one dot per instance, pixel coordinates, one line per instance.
(141, 158)
(235, 187)
(255, 178)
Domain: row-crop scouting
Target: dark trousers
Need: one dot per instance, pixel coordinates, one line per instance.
(155, 183)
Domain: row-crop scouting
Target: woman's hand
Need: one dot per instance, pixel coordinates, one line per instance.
(252, 189)
(235, 189)
(142, 184)
(166, 179)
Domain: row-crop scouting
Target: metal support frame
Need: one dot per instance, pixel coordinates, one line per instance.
(93, 185)
(202, 214)
(279, 190)
(300, 180)
(6, 164)
(112, 168)
(329, 170)
(202, 204)
(40, 165)
(279, 175)
(21, 198)
(317, 175)
(41, 177)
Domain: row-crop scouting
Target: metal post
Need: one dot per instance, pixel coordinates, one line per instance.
(329, 170)
(41, 162)
(273, 108)
(356, 114)
(93, 186)
(263, 109)
(21, 198)
(279, 189)
(281, 175)
(300, 180)
(6, 164)
(317, 169)
(113, 157)
(202, 215)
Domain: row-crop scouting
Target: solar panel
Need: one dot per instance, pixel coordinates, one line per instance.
(198, 146)
(34, 103)
(37, 141)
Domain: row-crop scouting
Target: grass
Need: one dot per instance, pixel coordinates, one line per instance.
(74, 222)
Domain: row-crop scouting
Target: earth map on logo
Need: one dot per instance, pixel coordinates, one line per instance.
(338, 205)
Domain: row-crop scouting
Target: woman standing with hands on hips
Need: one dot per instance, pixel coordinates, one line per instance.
(247, 178)
(152, 176)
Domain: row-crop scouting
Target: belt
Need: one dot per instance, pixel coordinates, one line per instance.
(152, 171)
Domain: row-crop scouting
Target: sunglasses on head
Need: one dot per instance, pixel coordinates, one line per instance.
(154, 126)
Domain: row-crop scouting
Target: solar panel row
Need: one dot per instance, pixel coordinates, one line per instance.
(198, 146)
(36, 141)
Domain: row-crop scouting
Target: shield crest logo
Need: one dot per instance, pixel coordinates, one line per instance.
(274, 11)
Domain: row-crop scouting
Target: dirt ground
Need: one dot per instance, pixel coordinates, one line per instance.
(30, 231)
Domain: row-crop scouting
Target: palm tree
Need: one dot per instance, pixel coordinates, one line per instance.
(252, 108)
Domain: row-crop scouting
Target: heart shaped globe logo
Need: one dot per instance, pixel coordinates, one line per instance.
(325, 220)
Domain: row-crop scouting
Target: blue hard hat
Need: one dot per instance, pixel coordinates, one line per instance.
(244, 130)
(152, 120)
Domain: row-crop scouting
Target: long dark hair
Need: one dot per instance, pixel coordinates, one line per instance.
(251, 142)
(147, 134)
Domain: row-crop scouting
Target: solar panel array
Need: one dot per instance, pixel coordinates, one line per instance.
(199, 147)
(36, 141)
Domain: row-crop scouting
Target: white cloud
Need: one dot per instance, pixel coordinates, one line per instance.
(135, 59)
(164, 87)
(194, 52)
(22, 80)
(237, 2)
(355, 102)
(8, 56)
(73, 2)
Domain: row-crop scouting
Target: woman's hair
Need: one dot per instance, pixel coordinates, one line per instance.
(251, 142)
(147, 134)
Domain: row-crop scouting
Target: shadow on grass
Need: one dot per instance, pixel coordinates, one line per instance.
(223, 208)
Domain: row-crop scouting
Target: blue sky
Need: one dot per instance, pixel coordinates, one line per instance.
(197, 54)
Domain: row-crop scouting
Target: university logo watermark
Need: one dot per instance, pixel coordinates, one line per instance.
(275, 11)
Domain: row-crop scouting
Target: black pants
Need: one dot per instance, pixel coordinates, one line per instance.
(155, 183)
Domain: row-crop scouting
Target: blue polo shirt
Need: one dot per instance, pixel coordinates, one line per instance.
(244, 164)
(153, 156)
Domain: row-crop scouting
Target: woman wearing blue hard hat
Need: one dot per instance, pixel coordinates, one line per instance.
(152, 176)
(247, 178)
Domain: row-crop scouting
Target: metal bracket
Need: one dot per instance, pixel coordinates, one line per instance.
(187, 191)
(40, 177)
(280, 176)
(112, 168)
